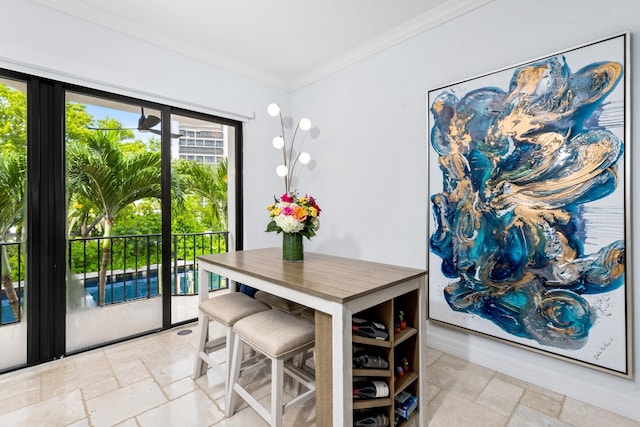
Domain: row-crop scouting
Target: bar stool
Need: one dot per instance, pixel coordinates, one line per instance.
(278, 336)
(279, 303)
(290, 307)
(227, 310)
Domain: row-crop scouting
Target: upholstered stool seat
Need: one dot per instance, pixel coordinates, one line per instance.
(279, 303)
(227, 310)
(278, 336)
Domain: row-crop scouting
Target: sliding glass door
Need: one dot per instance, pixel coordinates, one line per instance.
(106, 202)
(114, 212)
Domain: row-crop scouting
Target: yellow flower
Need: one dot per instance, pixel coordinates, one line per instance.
(313, 212)
(275, 212)
(271, 206)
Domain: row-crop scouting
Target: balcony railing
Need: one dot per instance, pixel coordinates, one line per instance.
(132, 271)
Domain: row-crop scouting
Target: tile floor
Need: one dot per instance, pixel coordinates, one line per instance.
(147, 382)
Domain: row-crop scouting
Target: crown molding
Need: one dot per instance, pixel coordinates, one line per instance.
(420, 24)
(447, 11)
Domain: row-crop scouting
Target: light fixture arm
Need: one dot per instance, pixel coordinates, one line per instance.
(293, 165)
(284, 154)
(287, 169)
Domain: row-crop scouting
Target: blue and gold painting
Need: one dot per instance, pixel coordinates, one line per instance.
(527, 199)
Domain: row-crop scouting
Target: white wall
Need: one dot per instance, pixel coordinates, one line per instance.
(371, 157)
(369, 146)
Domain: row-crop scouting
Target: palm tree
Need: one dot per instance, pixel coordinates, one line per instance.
(208, 182)
(100, 171)
(13, 176)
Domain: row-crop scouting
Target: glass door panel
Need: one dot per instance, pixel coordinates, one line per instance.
(200, 217)
(13, 180)
(114, 216)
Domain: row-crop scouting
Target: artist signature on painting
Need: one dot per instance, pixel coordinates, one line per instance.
(602, 348)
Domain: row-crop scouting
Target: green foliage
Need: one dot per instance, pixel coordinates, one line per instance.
(13, 177)
(209, 182)
(193, 217)
(77, 122)
(142, 217)
(100, 171)
(15, 260)
(13, 120)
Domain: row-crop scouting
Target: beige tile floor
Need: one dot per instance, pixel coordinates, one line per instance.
(146, 382)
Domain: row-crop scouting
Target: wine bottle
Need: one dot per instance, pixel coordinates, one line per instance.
(371, 420)
(366, 359)
(368, 389)
(369, 329)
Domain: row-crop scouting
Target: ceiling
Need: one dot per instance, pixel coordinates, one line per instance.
(285, 43)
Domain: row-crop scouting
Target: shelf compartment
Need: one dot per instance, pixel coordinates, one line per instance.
(370, 341)
(360, 372)
(372, 403)
(402, 383)
(404, 335)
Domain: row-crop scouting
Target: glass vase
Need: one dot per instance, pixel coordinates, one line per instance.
(292, 247)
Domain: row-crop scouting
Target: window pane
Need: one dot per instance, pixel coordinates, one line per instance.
(13, 181)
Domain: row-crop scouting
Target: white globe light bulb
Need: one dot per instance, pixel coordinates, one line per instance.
(278, 142)
(273, 110)
(304, 158)
(282, 170)
(305, 124)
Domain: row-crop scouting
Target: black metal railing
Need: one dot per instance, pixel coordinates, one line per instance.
(185, 268)
(132, 270)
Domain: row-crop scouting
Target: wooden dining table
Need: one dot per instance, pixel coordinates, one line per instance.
(335, 287)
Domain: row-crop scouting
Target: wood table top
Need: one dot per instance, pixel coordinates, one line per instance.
(326, 276)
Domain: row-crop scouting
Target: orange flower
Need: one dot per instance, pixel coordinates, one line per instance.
(299, 213)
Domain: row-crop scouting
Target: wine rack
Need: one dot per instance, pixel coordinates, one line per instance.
(402, 344)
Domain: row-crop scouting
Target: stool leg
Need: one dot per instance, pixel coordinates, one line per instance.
(298, 362)
(277, 392)
(234, 375)
(198, 368)
(229, 356)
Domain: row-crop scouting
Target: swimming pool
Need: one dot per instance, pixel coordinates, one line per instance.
(127, 289)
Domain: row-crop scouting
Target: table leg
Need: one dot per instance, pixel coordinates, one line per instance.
(333, 369)
(324, 370)
(342, 362)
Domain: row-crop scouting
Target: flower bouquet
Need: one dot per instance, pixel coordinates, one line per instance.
(295, 217)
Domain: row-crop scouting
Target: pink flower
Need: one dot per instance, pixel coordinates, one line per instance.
(286, 198)
(287, 210)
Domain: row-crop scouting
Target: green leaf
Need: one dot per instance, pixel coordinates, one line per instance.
(272, 226)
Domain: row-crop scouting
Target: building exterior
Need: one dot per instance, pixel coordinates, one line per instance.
(203, 144)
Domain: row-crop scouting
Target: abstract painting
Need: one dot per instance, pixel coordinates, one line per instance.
(528, 199)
